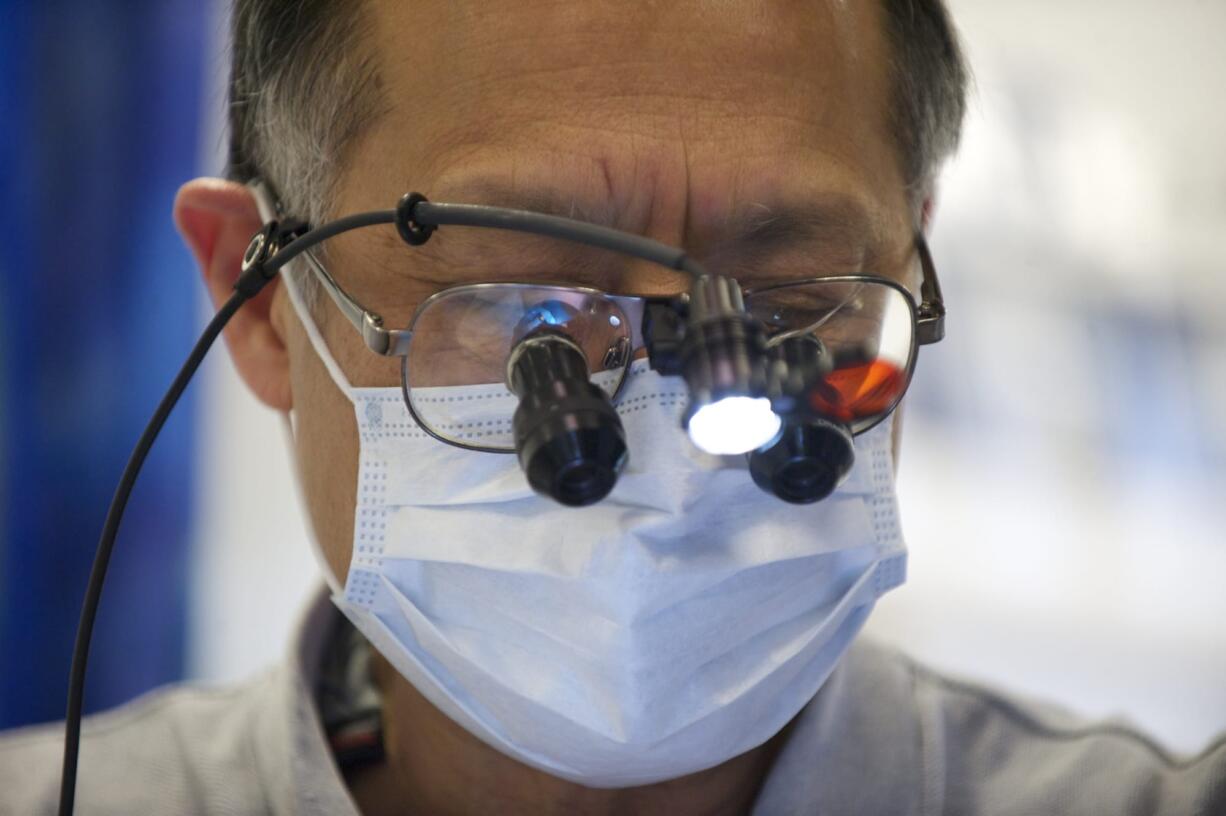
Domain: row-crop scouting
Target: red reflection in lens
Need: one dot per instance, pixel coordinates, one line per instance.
(858, 391)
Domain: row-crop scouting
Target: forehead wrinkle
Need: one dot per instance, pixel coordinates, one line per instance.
(527, 254)
(466, 254)
(833, 227)
(498, 192)
(537, 198)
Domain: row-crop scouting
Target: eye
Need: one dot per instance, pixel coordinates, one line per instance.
(801, 310)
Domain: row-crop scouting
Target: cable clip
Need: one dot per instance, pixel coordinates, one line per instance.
(413, 233)
(264, 245)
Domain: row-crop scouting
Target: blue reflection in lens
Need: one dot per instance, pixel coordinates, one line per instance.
(546, 313)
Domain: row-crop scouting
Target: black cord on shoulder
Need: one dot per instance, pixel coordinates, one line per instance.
(102, 557)
(271, 248)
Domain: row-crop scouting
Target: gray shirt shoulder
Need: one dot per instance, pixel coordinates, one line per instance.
(884, 736)
(889, 736)
(180, 750)
(1003, 756)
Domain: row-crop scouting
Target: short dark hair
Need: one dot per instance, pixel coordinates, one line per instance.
(928, 98)
(301, 89)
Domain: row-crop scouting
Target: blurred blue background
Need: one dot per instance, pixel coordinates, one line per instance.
(100, 105)
(1064, 459)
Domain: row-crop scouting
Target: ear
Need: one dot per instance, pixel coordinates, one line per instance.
(217, 219)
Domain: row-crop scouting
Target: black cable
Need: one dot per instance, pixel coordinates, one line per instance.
(102, 557)
(258, 272)
(567, 229)
(430, 214)
(322, 233)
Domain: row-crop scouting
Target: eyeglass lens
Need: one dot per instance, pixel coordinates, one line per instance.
(867, 329)
(456, 368)
(462, 340)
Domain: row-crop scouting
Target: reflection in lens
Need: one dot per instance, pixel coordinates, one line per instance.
(866, 327)
(455, 371)
(857, 391)
(547, 313)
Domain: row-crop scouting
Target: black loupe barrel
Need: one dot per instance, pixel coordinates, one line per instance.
(807, 462)
(813, 454)
(570, 441)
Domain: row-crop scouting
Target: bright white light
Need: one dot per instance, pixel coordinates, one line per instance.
(734, 425)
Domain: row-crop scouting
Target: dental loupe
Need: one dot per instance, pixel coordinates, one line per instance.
(791, 398)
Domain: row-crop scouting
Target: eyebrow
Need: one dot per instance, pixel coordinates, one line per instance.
(835, 225)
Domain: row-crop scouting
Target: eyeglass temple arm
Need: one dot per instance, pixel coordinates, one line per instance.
(930, 314)
(378, 338)
(368, 323)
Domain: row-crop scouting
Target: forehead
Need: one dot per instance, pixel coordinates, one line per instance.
(672, 119)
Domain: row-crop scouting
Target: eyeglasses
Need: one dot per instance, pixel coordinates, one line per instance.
(454, 351)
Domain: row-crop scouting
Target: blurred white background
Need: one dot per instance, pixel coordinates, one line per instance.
(1063, 478)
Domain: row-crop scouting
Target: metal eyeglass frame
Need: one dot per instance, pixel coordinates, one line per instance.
(416, 218)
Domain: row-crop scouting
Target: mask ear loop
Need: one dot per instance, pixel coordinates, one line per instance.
(289, 280)
(293, 269)
(297, 267)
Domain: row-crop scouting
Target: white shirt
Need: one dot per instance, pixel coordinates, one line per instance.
(884, 736)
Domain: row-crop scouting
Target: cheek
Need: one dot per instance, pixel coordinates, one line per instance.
(327, 452)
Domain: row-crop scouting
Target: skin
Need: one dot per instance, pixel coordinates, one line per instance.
(685, 121)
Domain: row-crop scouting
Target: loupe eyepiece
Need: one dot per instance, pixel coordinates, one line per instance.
(797, 363)
(569, 439)
(813, 454)
(808, 461)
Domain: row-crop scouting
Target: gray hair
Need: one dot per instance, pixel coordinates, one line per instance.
(302, 88)
(928, 99)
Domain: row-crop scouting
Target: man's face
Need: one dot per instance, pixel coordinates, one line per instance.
(754, 135)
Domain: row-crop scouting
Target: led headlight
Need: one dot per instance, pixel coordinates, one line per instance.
(724, 362)
(734, 425)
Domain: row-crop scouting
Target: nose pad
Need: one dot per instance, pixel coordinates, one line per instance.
(806, 464)
(617, 354)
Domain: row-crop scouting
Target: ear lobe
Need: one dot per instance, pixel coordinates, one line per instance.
(217, 219)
